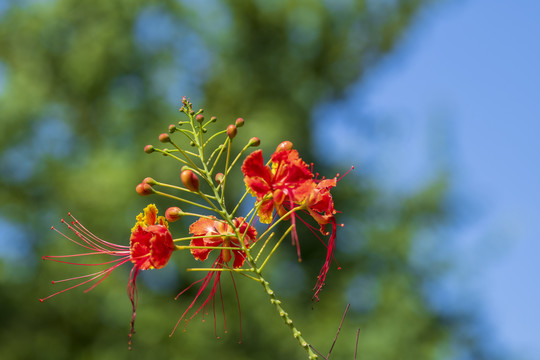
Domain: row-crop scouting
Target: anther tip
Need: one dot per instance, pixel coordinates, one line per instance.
(40, 300)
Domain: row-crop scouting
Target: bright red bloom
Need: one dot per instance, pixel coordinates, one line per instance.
(320, 206)
(319, 202)
(287, 179)
(211, 232)
(290, 179)
(214, 233)
(151, 246)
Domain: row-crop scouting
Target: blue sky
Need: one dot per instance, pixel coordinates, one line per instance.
(463, 93)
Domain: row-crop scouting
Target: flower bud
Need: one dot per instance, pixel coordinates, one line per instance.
(164, 138)
(172, 128)
(213, 119)
(149, 181)
(199, 118)
(231, 131)
(144, 189)
(254, 141)
(173, 213)
(286, 145)
(239, 122)
(219, 177)
(148, 149)
(190, 180)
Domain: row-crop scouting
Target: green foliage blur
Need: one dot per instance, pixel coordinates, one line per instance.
(86, 84)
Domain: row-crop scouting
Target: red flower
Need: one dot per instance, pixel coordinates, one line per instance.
(214, 233)
(287, 179)
(151, 246)
(211, 232)
(320, 206)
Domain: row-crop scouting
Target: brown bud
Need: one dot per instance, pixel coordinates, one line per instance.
(231, 131)
(144, 189)
(286, 145)
(173, 213)
(190, 180)
(148, 149)
(254, 141)
(239, 122)
(164, 138)
(172, 128)
(149, 181)
(219, 177)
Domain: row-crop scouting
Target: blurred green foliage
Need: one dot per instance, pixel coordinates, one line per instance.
(85, 84)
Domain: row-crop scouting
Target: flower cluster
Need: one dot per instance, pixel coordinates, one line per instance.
(288, 185)
(229, 242)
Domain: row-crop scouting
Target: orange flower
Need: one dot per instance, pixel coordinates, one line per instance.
(288, 179)
(211, 232)
(214, 233)
(151, 246)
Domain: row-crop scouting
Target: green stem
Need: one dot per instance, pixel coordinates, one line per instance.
(286, 318)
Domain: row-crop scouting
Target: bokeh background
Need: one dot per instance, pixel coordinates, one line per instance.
(434, 102)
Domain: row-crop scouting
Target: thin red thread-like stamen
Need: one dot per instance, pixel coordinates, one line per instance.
(316, 232)
(329, 256)
(205, 282)
(210, 296)
(113, 245)
(342, 176)
(239, 308)
(134, 299)
(104, 273)
(294, 234)
(52, 258)
(222, 308)
(90, 245)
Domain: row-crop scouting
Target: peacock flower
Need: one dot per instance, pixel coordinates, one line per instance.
(210, 232)
(214, 233)
(151, 247)
(320, 206)
(288, 178)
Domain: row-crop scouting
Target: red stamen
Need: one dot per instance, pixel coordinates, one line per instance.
(339, 178)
